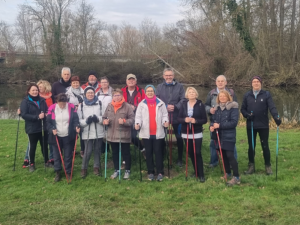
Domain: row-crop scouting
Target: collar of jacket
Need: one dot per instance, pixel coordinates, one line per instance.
(172, 84)
(229, 105)
(137, 88)
(157, 101)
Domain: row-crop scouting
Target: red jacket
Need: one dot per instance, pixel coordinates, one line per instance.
(140, 95)
(84, 86)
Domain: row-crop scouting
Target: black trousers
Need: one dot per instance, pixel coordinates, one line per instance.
(264, 140)
(66, 147)
(199, 160)
(229, 160)
(125, 153)
(82, 146)
(154, 145)
(33, 140)
(136, 141)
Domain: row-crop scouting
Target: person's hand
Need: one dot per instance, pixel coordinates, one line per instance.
(170, 108)
(212, 129)
(188, 119)
(77, 129)
(121, 121)
(41, 116)
(19, 111)
(95, 119)
(216, 125)
(278, 121)
(89, 120)
(193, 120)
(106, 122)
(212, 110)
(166, 124)
(137, 126)
(54, 132)
(250, 116)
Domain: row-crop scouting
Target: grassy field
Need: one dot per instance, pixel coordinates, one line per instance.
(35, 199)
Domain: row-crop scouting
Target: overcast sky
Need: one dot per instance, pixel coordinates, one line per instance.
(115, 11)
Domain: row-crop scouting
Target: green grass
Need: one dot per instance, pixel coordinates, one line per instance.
(35, 199)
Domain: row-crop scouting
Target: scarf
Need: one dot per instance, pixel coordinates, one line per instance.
(65, 84)
(76, 91)
(92, 102)
(223, 105)
(46, 96)
(117, 105)
(34, 99)
(150, 100)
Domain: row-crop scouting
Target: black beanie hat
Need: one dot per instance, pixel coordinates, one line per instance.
(88, 88)
(93, 72)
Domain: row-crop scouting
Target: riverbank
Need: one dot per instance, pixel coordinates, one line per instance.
(35, 199)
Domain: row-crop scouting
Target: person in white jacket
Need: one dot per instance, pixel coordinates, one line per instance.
(90, 117)
(75, 92)
(151, 119)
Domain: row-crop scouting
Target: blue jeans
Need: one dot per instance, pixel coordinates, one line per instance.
(213, 153)
(27, 151)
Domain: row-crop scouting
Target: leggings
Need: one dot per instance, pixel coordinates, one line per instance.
(199, 160)
(33, 140)
(125, 151)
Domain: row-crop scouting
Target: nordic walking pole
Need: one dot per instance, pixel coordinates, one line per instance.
(120, 154)
(16, 144)
(62, 160)
(253, 144)
(187, 148)
(277, 151)
(225, 175)
(195, 152)
(138, 135)
(171, 139)
(86, 149)
(98, 150)
(43, 135)
(105, 152)
(218, 157)
(166, 148)
(73, 157)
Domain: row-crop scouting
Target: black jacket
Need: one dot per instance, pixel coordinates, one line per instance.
(259, 107)
(199, 115)
(59, 87)
(172, 94)
(30, 113)
(228, 120)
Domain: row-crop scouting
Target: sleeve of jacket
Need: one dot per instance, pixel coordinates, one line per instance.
(138, 115)
(157, 92)
(232, 122)
(50, 122)
(181, 115)
(181, 97)
(203, 117)
(272, 107)
(208, 103)
(130, 120)
(25, 114)
(82, 122)
(75, 119)
(244, 106)
(165, 116)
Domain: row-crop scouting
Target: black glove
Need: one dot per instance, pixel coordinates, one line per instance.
(89, 120)
(95, 119)
(250, 116)
(278, 121)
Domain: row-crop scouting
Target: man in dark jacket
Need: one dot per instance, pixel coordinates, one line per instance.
(63, 83)
(255, 109)
(172, 94)
(210, 103)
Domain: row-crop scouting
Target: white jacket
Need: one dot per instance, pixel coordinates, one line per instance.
(142, 118)
(84, 111)
(72, 98)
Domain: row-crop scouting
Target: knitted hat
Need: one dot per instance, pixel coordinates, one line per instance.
(258, 78)
(75, 78)
(88, 88)
(150, 85)
(94, 73)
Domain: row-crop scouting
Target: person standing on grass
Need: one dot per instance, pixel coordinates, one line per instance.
(151, 118)
(33, 109)
(192, 113)
(210, 104)
(63, 123)
(255, 106)
(90, 116)
(172, 94)
(225, 120)
(92, 82)
(63, 83)
(119, 118)
(133, 95)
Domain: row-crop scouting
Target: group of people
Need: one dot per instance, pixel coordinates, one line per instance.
(98, 113)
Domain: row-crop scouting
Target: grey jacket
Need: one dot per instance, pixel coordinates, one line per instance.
(142, 118)
(172, 94)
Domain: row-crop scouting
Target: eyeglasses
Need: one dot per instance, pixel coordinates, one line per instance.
(149, 91)
(103, 82)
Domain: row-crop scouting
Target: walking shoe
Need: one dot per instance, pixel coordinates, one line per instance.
(151, 177)
(51, 161)
(96, 171)
(115, 174)
(179, 163)
(26, 163)
(159, 177)
(83, 173)
(250, 169)
(233, 181)
(48, 164)
(202, 179)
(57, 176)
(269, 170)
(126, 175)
(228, 175)
(31, 168)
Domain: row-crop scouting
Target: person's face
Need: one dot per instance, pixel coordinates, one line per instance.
(256, 84)
(131, 82)
(65, 75)
(223, 98)
(168, 76)
(75, 84)
(191, 94)
(62, 105)
(92, 79)
(90, 95)
(104, 83)
(34, 91)
(117, 97)
(150, 92)
(42, 88)
(221, 83)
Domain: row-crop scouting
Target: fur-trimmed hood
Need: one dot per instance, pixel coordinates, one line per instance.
(228, 105)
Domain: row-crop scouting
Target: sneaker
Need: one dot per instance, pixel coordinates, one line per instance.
(151, 177)
(233, 181)
(202, 179)
(31, 168)
(96, 171)
(26, 163)
(115, 174)
(57, 177)
(48, 164)
(126, 175)
(269, 170)
(83, 173)
(250, 169)
(159, 177)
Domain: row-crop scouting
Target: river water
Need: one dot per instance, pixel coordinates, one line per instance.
(286, 100)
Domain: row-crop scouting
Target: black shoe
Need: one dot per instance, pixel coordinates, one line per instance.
(26, 163)
(202, 179)
(57, 177)
(31, 168)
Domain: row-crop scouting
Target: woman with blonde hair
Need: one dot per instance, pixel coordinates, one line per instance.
(225, 121)
(45, 91)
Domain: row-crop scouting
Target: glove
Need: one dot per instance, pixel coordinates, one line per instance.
(89, 120)
(95, 119)
(250, 117)
(278, 121)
